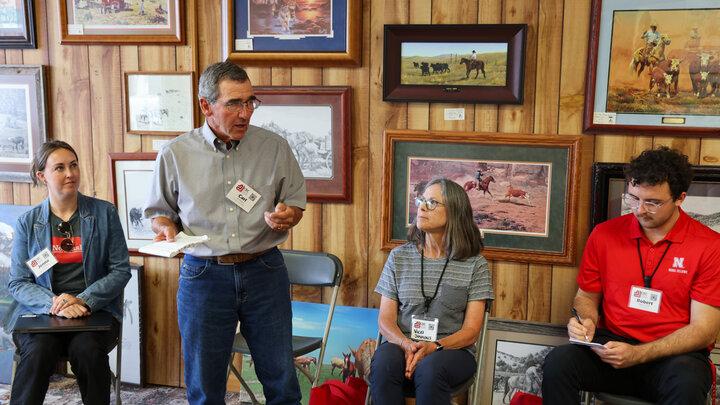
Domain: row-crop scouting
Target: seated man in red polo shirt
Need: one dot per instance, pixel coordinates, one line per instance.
(649, 292)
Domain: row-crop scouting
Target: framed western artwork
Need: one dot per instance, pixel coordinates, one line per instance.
(17, 24)
(122, 22)
(292, 32)
(159, 103)
(132, 331)
(524, 203)
(23, 119)
(653, 68)
(472, 63)
(316, 123)
(702, 202)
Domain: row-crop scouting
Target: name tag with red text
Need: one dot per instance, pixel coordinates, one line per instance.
(243, 196)
(424, 329)
(645, 299)
(42, 262)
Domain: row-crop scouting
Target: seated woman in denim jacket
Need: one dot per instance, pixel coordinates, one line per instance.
(433, 301)
(85, 236)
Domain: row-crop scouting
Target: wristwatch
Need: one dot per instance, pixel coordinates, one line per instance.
(439, 346)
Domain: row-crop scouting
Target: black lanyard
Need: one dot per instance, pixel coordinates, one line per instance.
(648, 279)
(422, 279)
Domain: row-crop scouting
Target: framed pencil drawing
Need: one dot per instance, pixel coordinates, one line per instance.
(316, 123)
(523, 188)
(651, 68)
(122, 22)
(131, 175)
(292, 32)
(132, 331)
(23, 119)
(17, 24)
(159, 103)
(474, 63)
(702, 202)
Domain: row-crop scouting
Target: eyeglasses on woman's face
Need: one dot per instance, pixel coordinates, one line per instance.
(429, 204)
(66, 229)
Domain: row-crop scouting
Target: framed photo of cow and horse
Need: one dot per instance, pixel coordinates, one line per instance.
(474, 63)
(654, 68)
(523, 188)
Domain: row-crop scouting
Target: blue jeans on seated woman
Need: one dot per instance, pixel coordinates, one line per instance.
(434, 378)
(211, 299)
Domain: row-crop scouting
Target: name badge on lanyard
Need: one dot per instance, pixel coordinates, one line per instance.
(424, 329)
(645, 299)
(243, 195)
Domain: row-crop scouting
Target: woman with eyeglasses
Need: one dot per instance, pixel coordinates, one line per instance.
(87, 270)
(434, 290)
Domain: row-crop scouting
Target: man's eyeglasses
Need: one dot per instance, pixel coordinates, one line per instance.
(429, 204)
(649, 206)
(66, 229)
(237, 106)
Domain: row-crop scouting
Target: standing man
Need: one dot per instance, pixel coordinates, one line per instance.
(241, 186)
(656, 275)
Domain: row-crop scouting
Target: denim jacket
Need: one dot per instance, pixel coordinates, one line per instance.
(104, 253)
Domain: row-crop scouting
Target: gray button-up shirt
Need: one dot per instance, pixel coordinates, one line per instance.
(194, 172)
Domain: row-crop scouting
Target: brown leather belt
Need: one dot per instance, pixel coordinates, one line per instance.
(236, 257)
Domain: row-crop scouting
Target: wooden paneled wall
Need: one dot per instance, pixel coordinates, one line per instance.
(85, 104)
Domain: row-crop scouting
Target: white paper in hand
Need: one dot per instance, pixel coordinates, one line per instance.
(171, 249)
(584, 343)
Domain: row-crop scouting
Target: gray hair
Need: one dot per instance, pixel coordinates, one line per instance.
(214, 74)
(462, 238)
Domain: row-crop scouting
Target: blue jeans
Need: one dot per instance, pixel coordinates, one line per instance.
(211, 299)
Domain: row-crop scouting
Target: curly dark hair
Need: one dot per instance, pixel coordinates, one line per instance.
(656, 166)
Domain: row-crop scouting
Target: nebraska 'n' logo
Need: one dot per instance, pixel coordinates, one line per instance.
(678, 262)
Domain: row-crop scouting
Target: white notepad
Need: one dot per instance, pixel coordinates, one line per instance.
(584, 343)
(171, 249)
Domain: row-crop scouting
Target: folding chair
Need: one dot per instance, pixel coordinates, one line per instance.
(306, 269)
(472, 384)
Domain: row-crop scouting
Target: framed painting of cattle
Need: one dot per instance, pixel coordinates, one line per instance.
(131, 175)
(23, 119)
(514, 354)
(292, 32)
(160, 103)
(474, 63)
(653, 68)
(316, 123)
(702, 202)
(523, 188)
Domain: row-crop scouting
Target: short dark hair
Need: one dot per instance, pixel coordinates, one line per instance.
(214, 74)
(657, 166)
(42, 155)
(462, 238)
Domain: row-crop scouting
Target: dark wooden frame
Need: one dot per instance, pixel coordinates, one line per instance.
(26, 38)
(338, 189)
(572, 144)
(512, 34)
(591, 84)
(189, 99)
(175, 35)
(350, 57)
(604, 173)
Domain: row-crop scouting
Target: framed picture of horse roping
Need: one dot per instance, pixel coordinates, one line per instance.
(472, 63)
(653, 68)
(523, 189)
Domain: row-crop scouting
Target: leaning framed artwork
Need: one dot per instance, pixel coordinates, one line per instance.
(159, 103)
(23, 119)
(139, 22)
(473, 63)
(292, 32)
(131, 175)
(132, 331)
(316, 123)
(17, 24)
(514, 354)
(651, 68)
(702, 202)
(525, 199)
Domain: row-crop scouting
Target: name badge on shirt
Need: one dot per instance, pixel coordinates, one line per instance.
(645, 299)
(42, 262)
(424, 329)
(244, 196)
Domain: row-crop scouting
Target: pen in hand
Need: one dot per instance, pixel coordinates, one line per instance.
(579, 321)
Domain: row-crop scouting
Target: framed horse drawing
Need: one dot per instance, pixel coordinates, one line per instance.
(472, 63)
(653, 68)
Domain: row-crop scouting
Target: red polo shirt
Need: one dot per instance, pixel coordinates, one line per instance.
(690, 270)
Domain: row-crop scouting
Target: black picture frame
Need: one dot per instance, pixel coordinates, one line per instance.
(22, 35)
(455, 87)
